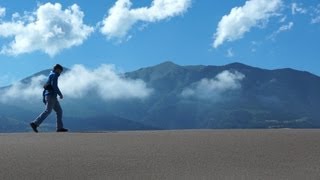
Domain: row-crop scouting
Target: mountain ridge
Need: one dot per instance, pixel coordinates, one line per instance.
(261, 88)
(172, 65)
(258, 98)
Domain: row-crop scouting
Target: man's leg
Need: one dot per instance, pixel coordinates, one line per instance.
(44, 115)
(57, 108)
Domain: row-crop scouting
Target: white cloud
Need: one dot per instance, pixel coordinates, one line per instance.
(2, 11)
(214, 88)
(49, 29)
(241, 19)
(282, 28)
(121, 17)
(283, 19)
(298, 9)
(79, 82)
(22, 91)
(285, 27)
(105, 81)
(6, 79)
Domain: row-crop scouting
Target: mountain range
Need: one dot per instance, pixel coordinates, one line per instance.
(190, 97)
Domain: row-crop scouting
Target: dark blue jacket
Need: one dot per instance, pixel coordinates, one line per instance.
(53, 81)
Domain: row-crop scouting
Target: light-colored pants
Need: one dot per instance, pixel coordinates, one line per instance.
(52, 103)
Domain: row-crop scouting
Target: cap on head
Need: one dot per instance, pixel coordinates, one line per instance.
(57, 66)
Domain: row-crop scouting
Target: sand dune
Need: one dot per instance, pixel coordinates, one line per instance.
(192, 154)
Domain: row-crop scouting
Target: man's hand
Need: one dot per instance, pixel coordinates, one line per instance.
(61, 97)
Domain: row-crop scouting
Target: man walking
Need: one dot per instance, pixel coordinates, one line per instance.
(50, 93)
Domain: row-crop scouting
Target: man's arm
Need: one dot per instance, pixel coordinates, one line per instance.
(55, 85)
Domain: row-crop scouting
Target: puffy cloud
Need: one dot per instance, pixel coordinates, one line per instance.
(79, 82)
(121, 17)
(105, 81)
(297, 9)
(214, 88)
(6, 79)
(21, 91)
(49, 29)
(241, 19)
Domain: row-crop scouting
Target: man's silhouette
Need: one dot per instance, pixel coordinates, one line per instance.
(50, 93)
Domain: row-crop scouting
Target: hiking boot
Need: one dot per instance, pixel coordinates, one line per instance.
(34, 127)
(62, 130)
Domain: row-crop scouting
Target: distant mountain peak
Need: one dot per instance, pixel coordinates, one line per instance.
(166, 67)
(167, 64)
(237, 65)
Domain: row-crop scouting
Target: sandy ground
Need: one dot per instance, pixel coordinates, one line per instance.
(205, 154)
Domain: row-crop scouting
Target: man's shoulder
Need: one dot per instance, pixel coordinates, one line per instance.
(53, 74)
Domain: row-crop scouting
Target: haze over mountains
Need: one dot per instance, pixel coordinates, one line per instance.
(170, 96)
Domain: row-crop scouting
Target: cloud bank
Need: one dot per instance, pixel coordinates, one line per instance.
(20, 91)
(80, 82)
(242, 19)
(121, 17)
(105, 81)
(49, 29)
(214, 88)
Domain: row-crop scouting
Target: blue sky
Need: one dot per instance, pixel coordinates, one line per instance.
(262, 33)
